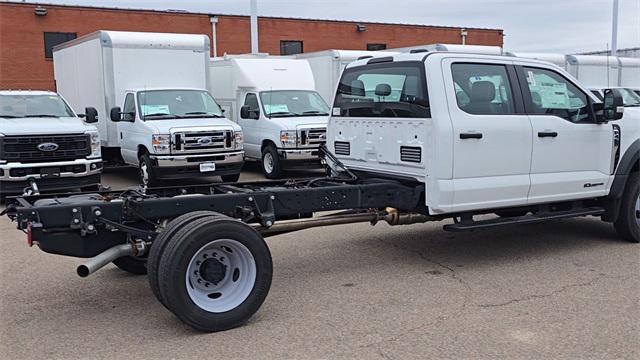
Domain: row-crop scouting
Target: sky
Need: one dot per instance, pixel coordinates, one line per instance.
(567, 26)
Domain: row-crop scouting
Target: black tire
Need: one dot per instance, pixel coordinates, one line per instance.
(145, 164)
(132, 265)
(230, 178)
(160, 243)
(174, 264)
(628, 223)
(271, 166)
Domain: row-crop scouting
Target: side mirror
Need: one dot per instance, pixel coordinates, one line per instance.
(613, 105)
(247, 113)
(116, 114)
(90, 115)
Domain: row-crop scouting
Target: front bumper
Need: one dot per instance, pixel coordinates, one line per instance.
(310, 155)
(19, 172)
(182, 166)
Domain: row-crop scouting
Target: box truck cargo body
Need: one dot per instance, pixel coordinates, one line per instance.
(629, 72)
(594, 71)
(170, 124)
(327, 66)
(274, 100)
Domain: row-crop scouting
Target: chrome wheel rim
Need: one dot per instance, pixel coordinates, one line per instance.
(144, 173)
(267, 163)
(221, 275)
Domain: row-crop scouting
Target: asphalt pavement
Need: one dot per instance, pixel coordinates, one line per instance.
(562, 290)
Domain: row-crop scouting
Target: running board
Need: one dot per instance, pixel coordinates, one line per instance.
(527, 219)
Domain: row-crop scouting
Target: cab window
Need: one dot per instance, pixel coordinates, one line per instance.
(129, 108)
(482, 89)
(391, 89)
(552, 94)
(251, 100)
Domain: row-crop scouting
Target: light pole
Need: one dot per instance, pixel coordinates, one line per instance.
(614, 29)
(254, 27)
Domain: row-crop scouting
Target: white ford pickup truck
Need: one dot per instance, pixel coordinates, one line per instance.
(489, 134)
(43, 141)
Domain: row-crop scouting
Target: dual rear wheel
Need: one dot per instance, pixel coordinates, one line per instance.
(213, 272)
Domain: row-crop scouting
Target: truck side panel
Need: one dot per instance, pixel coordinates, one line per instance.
(80, 80)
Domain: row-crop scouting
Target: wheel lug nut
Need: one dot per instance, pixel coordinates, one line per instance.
(199, 281)
(195, 272)
(198, 262)
(205, 256)
(206, 284)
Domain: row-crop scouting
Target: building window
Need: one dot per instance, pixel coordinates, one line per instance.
(376, 47)
(52, 39)
(291, 47)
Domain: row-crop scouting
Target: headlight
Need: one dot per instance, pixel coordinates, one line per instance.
(94, 138)
(161, 143)
(288, 138)
(239, 140)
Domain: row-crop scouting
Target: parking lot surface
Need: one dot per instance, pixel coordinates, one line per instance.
(567, 289)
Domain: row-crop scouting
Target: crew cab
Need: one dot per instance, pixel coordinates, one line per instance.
(485, 133)
(44, 145)
(482, 140)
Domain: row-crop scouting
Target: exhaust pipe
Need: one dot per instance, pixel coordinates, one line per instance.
(104, 258)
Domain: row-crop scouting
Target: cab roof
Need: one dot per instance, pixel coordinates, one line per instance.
(435, 55)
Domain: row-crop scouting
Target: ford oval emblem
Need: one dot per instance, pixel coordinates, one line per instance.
(204, 141)
(48, 146)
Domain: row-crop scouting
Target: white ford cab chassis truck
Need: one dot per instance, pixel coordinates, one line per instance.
(44, 145)
(154, 111)
(273, 99)
(412, 138)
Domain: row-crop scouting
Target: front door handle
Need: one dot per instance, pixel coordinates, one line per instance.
(547, 134)
(470, 136)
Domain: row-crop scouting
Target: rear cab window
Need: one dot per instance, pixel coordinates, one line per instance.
(390, 90)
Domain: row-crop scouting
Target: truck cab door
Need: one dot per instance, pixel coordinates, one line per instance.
(572, 153)
(127, 130)
(250, 125)
(491, 135)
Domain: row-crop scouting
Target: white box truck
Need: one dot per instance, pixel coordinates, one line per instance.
(154, 110)
(327, 66)
(274, 100)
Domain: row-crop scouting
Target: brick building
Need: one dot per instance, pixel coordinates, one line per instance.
(28, 32)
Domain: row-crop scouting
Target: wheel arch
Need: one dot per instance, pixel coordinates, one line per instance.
(629, 163)
(142, 150)
(267, 142)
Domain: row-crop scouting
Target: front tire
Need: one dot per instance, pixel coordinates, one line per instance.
(628, 223)
(215, 274)
(271, 164)
(145, 171)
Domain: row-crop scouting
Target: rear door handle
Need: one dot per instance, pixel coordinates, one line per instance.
(470, 136)
(547, 134)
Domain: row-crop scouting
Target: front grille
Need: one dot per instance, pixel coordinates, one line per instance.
(411, 154)
(313, 137)
(24, 149)
(342, 148)
(202, 141)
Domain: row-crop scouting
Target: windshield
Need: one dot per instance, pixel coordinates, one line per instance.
(629, 97)
(394, 89)
(26, 106)
(177, 104)
(288, 103)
